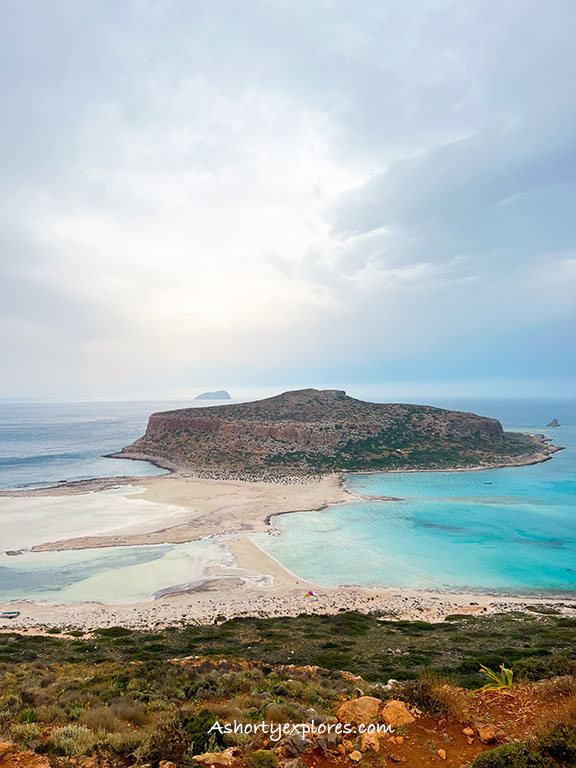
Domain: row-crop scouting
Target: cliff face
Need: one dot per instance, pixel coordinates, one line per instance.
(321, 431)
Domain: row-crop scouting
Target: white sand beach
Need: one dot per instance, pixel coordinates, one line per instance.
(239, 580)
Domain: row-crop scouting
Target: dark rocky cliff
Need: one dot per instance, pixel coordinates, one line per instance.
(316, 431)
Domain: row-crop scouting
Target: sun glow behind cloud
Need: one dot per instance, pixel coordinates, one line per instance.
(316, 194)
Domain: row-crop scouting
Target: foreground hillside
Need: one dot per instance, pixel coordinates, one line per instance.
(121, 698)
(313, 432)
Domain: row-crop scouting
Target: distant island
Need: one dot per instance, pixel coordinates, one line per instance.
(553, 423)
(220, 394)
(315, 432)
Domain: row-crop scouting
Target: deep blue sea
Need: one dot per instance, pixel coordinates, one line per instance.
(511, 529)
(42, 443)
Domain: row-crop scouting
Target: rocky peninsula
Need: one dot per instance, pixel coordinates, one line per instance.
(316, 432)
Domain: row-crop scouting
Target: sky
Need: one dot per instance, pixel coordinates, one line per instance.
(261, 194)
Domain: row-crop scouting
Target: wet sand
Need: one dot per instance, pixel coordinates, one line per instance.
(215, 507)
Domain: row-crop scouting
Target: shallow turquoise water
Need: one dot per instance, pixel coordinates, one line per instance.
(511, 529)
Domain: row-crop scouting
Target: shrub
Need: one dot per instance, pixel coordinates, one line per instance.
(513, 756)
(133, 712)
(28, 716)
(558, 688)
(124, 745)
(100, 719)
(25, 733)
(536, 668)
(10, 704)
(197, 727)
(426, 693)
(72, 741)
(560, 743)
(184, 734)
(261, 759)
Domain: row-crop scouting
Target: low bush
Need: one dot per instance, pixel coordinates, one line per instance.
(25, 734)
(261, 759)
(101, 719)
(28, 716)
(427, 694)
(122, 745)
(513, 756)
(71, 741)
(558, 688)
(560, 743)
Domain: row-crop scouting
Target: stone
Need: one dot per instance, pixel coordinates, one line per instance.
(362, 710)
(296, 762)
(169, 763)
(296, 745)
(370, 741)
(487, 733)
(395, 713)
(468, 731)
(441, 754)
(348, 746)
(225, 758)
(333, 741)
(356, 756)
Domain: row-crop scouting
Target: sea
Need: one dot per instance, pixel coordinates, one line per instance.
(509, 530)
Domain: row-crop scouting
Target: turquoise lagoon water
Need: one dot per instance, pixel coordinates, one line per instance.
(113, 575)
(510, 529)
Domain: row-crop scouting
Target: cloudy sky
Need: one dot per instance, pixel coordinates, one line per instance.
(272, 193)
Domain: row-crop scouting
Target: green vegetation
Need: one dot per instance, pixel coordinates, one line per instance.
(513, 756)
(532, 646)
(560, 743)
(498, 680)
(556, 747)
(262, 759)
(120, 696)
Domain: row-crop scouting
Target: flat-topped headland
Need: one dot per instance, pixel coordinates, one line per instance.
(315, 432)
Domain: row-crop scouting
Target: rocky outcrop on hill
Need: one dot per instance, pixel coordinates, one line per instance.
(317, 431)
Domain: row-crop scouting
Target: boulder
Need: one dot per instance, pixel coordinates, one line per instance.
(348, 745)
(296, 762)
(487, 733)
(295, 745)
(395, 713)
(369, 741)
(333, 740)
(225, 758)
(356, 756)
(362, 710)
